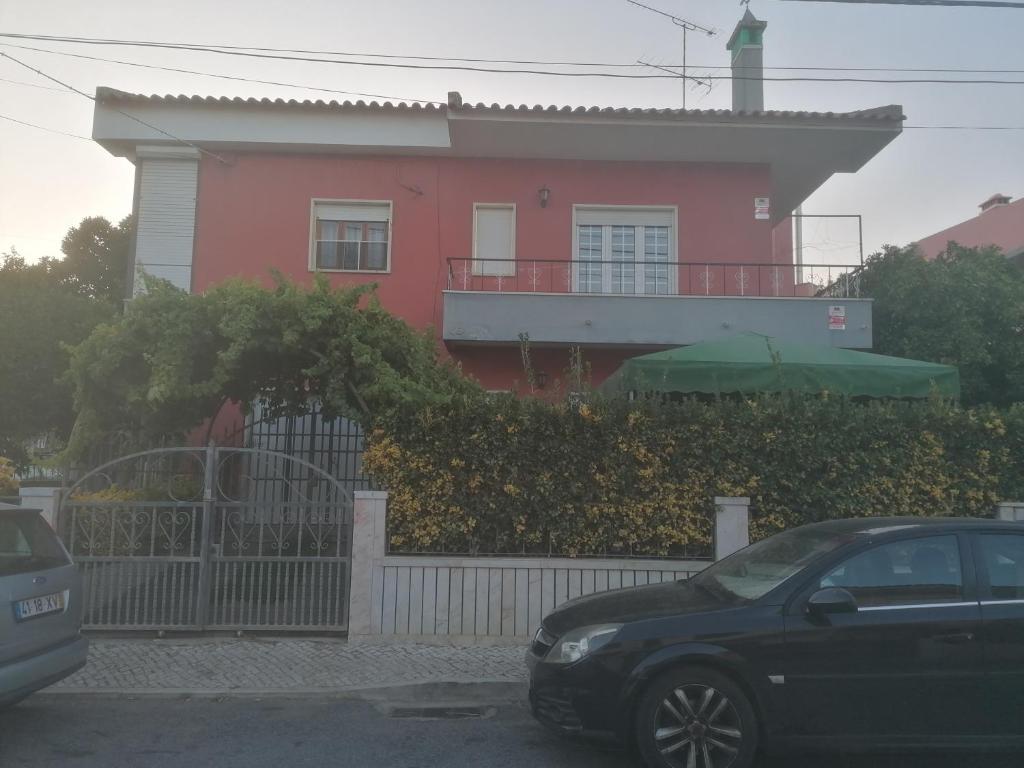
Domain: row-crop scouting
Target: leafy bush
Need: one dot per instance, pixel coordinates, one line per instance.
(520, 475)
(964, 308)
(174, 359)
(113, 493)
(8, 482)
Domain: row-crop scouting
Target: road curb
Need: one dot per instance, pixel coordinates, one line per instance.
(463, 691)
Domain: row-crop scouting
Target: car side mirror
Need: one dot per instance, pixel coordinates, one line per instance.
(831, 600)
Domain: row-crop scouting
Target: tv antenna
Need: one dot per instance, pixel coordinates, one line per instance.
(687, 27)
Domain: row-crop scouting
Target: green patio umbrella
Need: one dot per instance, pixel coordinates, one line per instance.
(750, 363)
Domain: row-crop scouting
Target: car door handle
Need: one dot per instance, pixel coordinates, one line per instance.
(960, 638)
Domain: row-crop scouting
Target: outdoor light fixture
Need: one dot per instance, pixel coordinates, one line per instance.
(544, 193)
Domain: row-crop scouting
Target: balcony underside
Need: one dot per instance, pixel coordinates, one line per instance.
(487, 317)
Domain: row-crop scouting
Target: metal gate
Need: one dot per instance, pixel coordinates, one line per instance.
(210, 539)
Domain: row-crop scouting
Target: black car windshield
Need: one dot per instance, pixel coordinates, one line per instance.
(755, 571)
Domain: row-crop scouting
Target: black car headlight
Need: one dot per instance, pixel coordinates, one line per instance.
(580, 642)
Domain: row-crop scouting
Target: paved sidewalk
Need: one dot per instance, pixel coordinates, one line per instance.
(216, 665)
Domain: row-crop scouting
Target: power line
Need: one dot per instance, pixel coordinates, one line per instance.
(937, 70)
(943, 3)
(540, 62)
(44, 128)
(687, 27)
(32, 85)
(92, 98)
(890, 80)
(212, 74)
(675, 19)
(294, 85)
(672, 75)
(316, 52)
(314, 60)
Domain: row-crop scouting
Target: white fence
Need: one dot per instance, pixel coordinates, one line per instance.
(1010, 510)
(488, 599)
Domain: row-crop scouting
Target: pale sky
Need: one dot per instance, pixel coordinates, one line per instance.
(923, 182)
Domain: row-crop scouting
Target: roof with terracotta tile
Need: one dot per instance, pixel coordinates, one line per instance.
(1000, 225)
(892, 113)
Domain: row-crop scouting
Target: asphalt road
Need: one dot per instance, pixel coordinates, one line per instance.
(106, 732)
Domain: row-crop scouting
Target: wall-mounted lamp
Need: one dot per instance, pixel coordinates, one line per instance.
(542, 379)
(544, 194)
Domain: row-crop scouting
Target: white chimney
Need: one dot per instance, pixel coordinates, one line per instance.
(747, 64)
(996, 201)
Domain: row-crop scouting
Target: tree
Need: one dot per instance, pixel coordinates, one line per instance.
(38, 317)
(96, 255)
(965, 308)
(174, 359)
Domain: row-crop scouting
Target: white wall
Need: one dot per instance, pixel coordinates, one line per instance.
(491, 599)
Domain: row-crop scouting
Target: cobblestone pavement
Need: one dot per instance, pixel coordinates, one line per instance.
(283, 665)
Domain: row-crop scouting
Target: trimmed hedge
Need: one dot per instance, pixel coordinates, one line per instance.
(610, 477)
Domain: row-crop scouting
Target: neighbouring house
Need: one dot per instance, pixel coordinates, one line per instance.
(1000, 223)
(619, 230)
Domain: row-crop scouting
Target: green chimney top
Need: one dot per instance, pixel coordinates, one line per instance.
(749, 31)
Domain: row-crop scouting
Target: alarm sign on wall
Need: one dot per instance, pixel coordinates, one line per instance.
(762, 208)
(837, 318)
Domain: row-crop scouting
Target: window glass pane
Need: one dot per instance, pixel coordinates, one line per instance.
(328, 255)
(326, 230)
(355, 245)
(626, 248)
(349, 255)
(623, 258)
(590, 246)
(908, 572)
(375, 256)
(1003, 558)
(27, 544)
(656, 252)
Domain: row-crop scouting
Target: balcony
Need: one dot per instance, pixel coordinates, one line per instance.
(652, 304)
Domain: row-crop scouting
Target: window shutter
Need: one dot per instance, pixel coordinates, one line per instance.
(495, 239)
(354, 211)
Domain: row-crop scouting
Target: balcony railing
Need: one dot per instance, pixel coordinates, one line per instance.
(654, 278)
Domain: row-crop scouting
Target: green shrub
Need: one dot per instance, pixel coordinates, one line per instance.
(520, 475)
(8, 482)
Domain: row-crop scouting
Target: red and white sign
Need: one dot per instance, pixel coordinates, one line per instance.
(837, 317)
(762, 208)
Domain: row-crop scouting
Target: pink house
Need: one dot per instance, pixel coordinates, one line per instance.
(616, 230)
(1000, 223)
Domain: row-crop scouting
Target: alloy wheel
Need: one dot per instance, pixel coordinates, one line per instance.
(696, 726)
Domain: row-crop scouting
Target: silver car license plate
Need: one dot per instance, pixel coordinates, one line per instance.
(39, 606)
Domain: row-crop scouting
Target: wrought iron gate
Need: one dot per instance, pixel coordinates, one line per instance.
(215, 538)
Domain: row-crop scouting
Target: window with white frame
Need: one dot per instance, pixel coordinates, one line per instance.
(494, 239)
(351, 236)
(624, 249)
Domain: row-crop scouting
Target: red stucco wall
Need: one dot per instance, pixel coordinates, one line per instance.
(253, 215)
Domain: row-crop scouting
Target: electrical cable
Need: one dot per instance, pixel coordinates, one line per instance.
(536, 62)
(212, 74)
(92, 98)
(44, 128)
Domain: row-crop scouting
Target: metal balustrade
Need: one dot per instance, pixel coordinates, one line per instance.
(654, 278)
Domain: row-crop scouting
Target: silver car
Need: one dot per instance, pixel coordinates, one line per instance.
(40, 606)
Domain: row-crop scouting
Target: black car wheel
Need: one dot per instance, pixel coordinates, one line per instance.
(696, 718)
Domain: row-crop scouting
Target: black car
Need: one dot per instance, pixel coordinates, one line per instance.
(862, 633)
